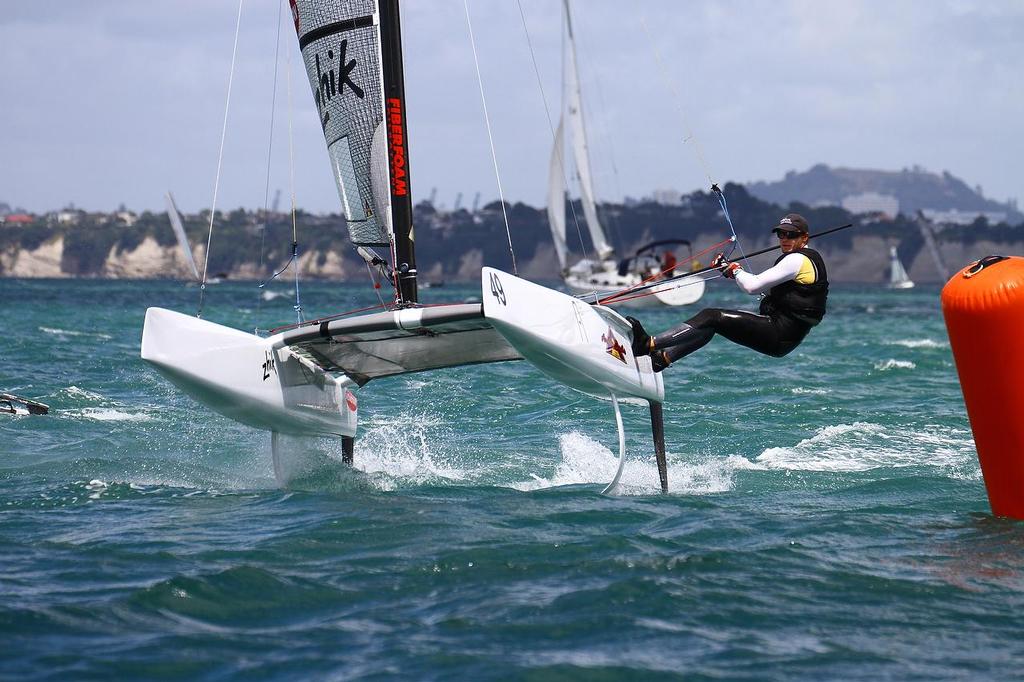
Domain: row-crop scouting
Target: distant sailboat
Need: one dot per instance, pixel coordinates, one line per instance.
(605, 273)
(898, 278)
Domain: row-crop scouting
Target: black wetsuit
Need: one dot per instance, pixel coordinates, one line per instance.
(787, 313)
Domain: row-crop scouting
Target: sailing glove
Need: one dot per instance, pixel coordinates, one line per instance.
(725, 267)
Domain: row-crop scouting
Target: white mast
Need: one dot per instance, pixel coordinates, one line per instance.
(579, 146)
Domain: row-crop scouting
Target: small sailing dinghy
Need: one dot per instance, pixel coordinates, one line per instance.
(606, 272)
(15, 404)
(898, 278)
(304, 380)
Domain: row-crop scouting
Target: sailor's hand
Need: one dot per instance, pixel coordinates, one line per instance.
(724, 266)
(729, 270)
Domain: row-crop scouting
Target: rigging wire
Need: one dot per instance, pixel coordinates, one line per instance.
(220, 159)
(294, 258)
(676, 100)
(490, 138)
(270, 149)
(691, 136)
(291, 184)
(551, 126)
(648, 286)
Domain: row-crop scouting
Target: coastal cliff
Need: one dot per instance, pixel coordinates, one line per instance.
(452, 246)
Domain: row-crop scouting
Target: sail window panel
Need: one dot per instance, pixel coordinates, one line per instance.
(341, 50)
(345, 178)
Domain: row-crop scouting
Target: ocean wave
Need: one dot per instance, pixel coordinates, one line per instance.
(864, 446)
(109, 414)
(76, 392)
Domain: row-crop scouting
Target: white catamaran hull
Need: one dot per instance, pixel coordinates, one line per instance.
(250, 379)
(588, 277)
(582, 346)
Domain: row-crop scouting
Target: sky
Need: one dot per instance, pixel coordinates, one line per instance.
(111, 102)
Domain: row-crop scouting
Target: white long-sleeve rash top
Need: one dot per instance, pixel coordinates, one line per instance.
(795, 266)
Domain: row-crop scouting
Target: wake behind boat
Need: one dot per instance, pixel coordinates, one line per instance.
(303, 380)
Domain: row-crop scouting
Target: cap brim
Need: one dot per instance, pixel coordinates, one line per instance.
(788, 228)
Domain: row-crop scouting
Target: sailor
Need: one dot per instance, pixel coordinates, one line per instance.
(668, 264)
(797, 287)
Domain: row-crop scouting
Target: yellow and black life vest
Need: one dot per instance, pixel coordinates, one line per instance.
(802, 302)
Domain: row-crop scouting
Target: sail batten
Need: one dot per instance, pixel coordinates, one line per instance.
(336, 27)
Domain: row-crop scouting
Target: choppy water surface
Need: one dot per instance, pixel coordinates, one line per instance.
(826, 518)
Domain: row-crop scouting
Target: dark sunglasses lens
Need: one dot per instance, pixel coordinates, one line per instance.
(788, 234)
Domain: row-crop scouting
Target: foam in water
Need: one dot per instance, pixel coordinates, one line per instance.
(894, 364)
(104, 414)
(585, 461)
(863, 446)
(68, 332)
(76, 392)
(918, 343)
(407, 447)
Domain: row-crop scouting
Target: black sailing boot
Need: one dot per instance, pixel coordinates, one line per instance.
(641, 339)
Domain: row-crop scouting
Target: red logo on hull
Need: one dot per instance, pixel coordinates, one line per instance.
(396, 144)
(350, 400)
(613, 347)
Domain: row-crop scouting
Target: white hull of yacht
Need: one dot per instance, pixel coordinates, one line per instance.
(605, 279)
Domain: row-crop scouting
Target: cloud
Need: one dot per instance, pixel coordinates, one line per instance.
(109, 102)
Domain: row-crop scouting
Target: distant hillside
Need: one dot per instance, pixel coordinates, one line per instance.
(915, 189)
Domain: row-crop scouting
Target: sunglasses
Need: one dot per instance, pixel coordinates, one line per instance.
(787, 234)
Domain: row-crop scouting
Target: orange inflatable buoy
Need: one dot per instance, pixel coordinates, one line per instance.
(984, 309)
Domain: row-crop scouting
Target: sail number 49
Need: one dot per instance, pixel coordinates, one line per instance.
(496, 290)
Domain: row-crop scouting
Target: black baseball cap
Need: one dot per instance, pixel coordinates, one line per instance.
(792, 221)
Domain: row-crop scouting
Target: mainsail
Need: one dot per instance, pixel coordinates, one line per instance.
(898, 278)
(353, 57)
(556, 199)
(579, 145)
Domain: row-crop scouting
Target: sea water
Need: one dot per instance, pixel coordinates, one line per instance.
(826, 516)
